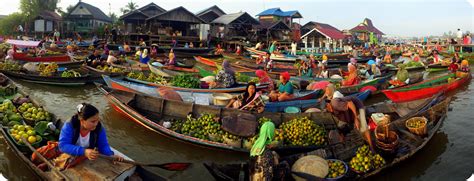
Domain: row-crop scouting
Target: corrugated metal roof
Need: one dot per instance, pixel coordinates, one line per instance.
(230, 18)
(196, 18)
(325, 29)
(279, 12)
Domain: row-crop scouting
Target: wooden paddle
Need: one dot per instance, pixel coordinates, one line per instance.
(166, 166)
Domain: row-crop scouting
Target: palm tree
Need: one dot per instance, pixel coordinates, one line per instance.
(129, 7)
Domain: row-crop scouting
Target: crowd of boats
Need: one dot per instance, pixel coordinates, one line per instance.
(148, 89)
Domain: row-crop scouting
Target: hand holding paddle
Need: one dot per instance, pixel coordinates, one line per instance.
(166, 166)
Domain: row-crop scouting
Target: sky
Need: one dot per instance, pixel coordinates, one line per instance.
(393, 17)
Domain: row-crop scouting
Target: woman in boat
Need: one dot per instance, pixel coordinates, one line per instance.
(268, 63)
(84, 135)
(285, 89)
(387, 59)
(154, 50)
(238, 51)
(353, 77)
(436, 57)
(416, 57)
(171, 58)
(251, 100)
(225, 78)
(305, 69)
(264, 163)
(138, 53)
(402, 76)
(263, 78)
(464, 66)
(272, 48)
(144, 58)
(347, 109)
(259, 60)
(94, 59)
(142, 43)
(126, 47)
(111, 59)
(370, 70)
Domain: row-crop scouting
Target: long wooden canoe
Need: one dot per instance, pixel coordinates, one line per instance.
(426, 88)
(151, 112)
(409, 144)
(26, 57)
(54, 80)
(379, 83)
(100, 169)
(238, 88)
(305, 104)
(170, 71)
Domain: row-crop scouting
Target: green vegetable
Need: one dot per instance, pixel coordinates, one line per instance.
(186, 81)
(41, 127)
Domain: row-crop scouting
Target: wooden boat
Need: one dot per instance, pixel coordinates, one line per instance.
(238, 88)
(379, 83)
(255, 51)
(409, 144)
(26, 57)
(436, 68)
(100, 169)
(306, 103)
(426, 88)
(102, 72)
(282, 58)
(151, 112)
(54, 80)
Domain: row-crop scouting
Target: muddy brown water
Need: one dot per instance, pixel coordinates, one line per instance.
(448, 156)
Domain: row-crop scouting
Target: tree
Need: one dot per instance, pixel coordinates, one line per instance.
(68, 10)
(9, 23)
(31, 8)
(129, 7)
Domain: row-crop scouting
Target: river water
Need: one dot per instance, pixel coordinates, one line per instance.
(448, 156)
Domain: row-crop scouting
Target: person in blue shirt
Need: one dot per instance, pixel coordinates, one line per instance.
(144, 58)
(84, 135)
(285, 89)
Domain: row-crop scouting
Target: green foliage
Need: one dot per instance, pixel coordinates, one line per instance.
(31, 8)
(9, 23)
(129, 7)
(186, 81)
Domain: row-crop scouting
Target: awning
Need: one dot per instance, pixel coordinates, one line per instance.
(24, 44)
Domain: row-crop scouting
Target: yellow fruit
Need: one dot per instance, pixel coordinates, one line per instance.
(17, 137)
(24, 136)
(32, 139)
(31, 133)
(21, 132)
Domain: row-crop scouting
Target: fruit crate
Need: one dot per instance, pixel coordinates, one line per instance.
(346, 168)
(421, 130)
(23, 147)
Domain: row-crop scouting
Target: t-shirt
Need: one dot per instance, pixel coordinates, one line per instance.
(288, 88)
(83, 141)
(459, 34)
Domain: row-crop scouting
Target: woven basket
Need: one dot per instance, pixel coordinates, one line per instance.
(387, 144)
(420, 130)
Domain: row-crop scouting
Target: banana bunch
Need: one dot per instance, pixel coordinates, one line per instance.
(49, 70)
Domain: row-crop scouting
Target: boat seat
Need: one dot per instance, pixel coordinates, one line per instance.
(100, 169)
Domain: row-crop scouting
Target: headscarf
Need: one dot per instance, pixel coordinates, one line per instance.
(227, 68)
(371, 62)
(330, 90)
(285, 75)
(325, 57)
(402, 74)
(465, 63)
(265, 137)
(353, 61)
(261, 74)
(145, 53)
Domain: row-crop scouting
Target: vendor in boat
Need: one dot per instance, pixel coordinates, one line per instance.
(225, 78)
(416, 57)
(402, 76)
(94, 59)
(263, 161)
(171, 58)
(138, 53)
(387, 59)
(353, 77)
(154, 50)
(268, 63)
(238, 50)
(464, 66)
(456, 58)
(324, 73)
(250, 100)
(285, 89)
(272, 48)
(436, 57)
(263, 78)
(305, 69)
(84, 136)
(349, 110)
(144, 58)
(126, 47)
(219, 50)
(111, 59)
(259, 59)
(142, 43)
